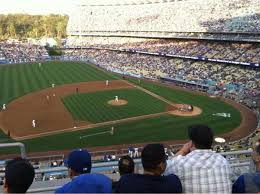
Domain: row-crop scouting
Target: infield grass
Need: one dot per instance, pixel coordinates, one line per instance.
(93, 107)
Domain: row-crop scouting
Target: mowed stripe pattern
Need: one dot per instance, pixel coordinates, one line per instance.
(18, 80)
(93, 107)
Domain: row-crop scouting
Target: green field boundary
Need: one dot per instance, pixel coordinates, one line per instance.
(160, 128)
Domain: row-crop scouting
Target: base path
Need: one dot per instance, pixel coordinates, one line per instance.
(47, 109)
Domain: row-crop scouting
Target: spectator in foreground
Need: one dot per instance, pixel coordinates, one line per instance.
(19, 175)
(126, 165)
(199, 168)
(154, 163)
(79, 167)
(250, 182)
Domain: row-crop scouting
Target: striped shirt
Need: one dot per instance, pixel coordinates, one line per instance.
(201, 171)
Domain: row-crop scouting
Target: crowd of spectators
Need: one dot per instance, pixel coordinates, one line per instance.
(194, 168)
(173, 16)
(183, 69)
(18, 52)
(239, 52)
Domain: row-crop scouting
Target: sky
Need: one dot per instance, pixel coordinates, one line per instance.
(37, 6)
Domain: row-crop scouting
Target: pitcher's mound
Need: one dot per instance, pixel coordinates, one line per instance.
(117, 103)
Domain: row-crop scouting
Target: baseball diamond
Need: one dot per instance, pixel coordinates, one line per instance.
(78, 105)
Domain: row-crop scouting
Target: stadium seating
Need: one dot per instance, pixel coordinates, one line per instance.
(18, 52)
(154, 66)
(240, 52)
(170, 16)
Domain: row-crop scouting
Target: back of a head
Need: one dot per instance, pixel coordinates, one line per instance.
(19, 175)
(126, 165)
(152, 156)
(79, 161)
(201, 136)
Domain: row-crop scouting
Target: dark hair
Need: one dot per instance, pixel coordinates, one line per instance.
(19, 175)
(201, 136)
(126, 165)
(152, 156)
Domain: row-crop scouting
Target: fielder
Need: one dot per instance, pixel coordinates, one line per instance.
(136, 154)
(112, 131)
(4, 107)
(116, 98)
(53, 85)
(107, 82)
(33, 123)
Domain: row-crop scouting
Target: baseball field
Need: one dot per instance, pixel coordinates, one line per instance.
(73, 107)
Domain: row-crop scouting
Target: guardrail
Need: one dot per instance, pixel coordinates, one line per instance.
(20, 145)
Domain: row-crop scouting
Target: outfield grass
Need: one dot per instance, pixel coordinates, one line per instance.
(20, 79)
(93, 107)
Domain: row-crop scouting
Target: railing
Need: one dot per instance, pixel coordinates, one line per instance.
(20, 145)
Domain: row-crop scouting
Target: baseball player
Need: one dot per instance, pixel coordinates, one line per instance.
(130, 151)
(136, 153)
(107, 82)
(53, 85)
(48, 97)
(116, 98)
(33, 123)
(4, 107)
(112, 131)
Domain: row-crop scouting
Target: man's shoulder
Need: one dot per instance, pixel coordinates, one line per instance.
(200, 159)
(172, 179)
(94, 177)
(86, 182)
(128, 177)
(254, 175)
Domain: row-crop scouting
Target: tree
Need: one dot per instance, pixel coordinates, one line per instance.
(32, 26)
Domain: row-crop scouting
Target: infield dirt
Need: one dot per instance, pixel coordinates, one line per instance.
(47, 109)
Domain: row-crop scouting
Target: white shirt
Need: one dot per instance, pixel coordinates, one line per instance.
(201, 171)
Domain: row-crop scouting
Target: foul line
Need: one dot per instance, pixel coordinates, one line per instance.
(94, 134)
(91, 126)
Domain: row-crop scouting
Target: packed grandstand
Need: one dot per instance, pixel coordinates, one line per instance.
(204, 46)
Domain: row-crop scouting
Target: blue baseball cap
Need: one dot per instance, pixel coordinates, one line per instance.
(79, 160)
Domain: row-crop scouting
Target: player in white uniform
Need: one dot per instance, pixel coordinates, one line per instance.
(4, 107)
(136, 154)
(112, 131)
(33, 123)
(107, 82)
(53, 85)
(116, 98)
